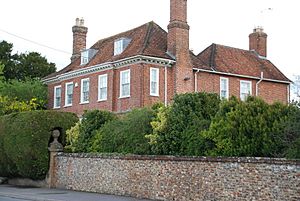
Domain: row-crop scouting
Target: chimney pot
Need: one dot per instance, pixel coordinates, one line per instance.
(258, 41)
(79, 38)
(77, 21)
(81, 22)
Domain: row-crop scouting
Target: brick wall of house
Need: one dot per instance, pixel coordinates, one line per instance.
(139, 90)
(173, 178)
(268, 91)
(272, 92)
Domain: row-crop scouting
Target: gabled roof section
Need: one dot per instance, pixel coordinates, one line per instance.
(147, 40)
(231, 60)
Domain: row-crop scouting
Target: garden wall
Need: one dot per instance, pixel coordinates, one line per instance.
(180, 178)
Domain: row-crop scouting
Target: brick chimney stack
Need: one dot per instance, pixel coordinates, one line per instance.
(258, 41)
(178, 46)
(79, 38)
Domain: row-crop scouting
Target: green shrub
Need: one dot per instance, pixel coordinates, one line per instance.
(25, 139)
(24, 90)
(291, 132)
(7, 167)
(91, 122)
(8, 105)
(72, 135)
(176, 128)
(126, 134)
(250, 128)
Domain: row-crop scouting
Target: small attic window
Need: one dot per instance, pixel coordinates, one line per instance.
(87, 55)
(120, 45)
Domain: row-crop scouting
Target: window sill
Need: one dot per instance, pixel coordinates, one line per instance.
(67, 106)
(56, 108)
(154, 95)
(121, 97)
(84, 103)
(102, 100)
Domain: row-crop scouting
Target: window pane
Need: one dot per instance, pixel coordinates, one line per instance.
(57, 100)
(245, 90)
(125, 77)
(125, 90)
(58, 92)
(125, 83)
(153, 87)
(224, 88)
(103, 93)
(154, 78)
(85, 90)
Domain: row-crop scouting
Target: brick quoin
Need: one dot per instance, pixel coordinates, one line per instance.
(180, 70)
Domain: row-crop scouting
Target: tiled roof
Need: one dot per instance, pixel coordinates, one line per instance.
(148, 40)
(151, 40)
(226, 59)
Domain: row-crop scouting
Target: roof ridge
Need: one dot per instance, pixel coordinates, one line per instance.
(121, 33)
(147, 36)
(213, 56)
(226, 46)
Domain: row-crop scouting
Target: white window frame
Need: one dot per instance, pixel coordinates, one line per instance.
(118, 46)
(104, 76)
(121, 84)
(55, 106)
(227, 87)
(66, 94)
(156, 71)
(250, 90)
(81, 91)
(84, 57)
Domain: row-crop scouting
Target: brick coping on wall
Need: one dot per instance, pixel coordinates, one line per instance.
(254, 160)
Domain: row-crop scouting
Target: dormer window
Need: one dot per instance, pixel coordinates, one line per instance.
(120, 45)
(87, 55)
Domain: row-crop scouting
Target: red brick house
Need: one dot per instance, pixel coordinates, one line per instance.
(145, 65)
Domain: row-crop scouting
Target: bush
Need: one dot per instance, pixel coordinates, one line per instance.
(24, 90)
(176, 128)
(291, 132)
(250, 128)
(25, 139)
(8, 105)
(126, 134)
(72, 135)
(91, 122)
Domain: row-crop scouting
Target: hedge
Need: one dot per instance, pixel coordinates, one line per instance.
(25, 138)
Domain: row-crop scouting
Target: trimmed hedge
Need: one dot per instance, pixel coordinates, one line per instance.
(125, 134)
(25, 138)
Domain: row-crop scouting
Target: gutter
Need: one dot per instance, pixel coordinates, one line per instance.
(261, 79)
(110, 65)
(243, 76)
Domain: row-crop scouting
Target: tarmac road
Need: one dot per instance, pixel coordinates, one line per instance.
(13, 193)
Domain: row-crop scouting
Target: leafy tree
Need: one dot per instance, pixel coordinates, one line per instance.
(250, 128)
(176, 128)
(1, 72)
(91, 122)
(25, 65)
(295, 88)
(8, 105)
(24, 90)
(33, 65)
(125, 134)
(8, 59)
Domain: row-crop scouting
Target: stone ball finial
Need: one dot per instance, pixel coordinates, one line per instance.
(55, 133)
(55, 146)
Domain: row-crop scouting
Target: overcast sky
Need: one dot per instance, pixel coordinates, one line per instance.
(225, 22)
